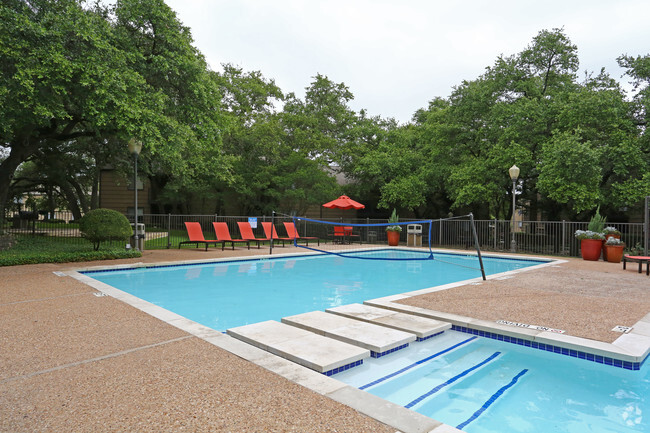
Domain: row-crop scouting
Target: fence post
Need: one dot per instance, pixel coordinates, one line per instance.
(495, 233)
(563, 237)
(440, 232)
(169, 230)
(646, 225)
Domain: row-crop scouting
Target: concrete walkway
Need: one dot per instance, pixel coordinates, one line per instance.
(74, 361)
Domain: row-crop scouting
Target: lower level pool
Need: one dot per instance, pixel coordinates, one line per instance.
(480, 385)
(223, 295)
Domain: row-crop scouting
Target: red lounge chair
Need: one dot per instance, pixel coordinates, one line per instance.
(292, 232)
(641, 260)
(246, 232)
(223, 236)
(267, 232)
(195, 234)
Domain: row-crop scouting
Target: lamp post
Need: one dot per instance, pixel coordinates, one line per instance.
(135, 146)
(514, 175)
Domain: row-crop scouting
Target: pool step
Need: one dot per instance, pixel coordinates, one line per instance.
(379, 340)
(422, 327)
(325, 355)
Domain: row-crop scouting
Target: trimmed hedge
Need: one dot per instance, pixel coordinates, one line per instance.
(101, 225)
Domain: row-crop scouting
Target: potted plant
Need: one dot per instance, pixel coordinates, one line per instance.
(393, 232)
(613, 250)
(591, 244)
(610, 232)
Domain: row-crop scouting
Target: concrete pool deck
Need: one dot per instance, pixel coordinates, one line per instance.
(71, 360)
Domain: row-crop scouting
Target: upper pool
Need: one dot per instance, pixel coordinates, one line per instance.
(223, 295)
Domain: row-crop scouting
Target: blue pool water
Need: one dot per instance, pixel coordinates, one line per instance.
(229, 294)
(482, 385)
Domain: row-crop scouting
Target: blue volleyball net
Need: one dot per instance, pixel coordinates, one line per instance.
(361, 241)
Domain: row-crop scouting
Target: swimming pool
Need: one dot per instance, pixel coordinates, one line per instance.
(222, 295)
(482, 385)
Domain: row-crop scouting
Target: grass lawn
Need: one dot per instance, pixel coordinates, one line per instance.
(50, 249)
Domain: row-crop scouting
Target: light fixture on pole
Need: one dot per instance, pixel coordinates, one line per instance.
(135, 146)
(514, 175)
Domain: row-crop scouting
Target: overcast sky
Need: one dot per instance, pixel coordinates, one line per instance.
(395, 56)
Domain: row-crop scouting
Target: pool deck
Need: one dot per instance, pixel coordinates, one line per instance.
(75, 361)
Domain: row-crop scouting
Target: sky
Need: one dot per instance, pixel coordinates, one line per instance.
(396, 56)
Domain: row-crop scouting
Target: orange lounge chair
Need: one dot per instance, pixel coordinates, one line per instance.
(246, 232)
(195, 234)
(292, 232)
(223, 236)
(351, 235)
(641, 260)
(267, 232)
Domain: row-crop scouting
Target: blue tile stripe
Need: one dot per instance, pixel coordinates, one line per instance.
(492, 399)
(550, 348)
(343, 368)
(415, 364)
(386, 352)
(452, 380)
(430, 336)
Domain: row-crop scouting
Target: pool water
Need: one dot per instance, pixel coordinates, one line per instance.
(229, 294)
(481, 385)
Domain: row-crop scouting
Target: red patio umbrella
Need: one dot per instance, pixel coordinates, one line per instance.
(344, 202)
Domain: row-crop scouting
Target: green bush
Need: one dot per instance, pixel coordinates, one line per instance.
(101, 225)
(65, 257)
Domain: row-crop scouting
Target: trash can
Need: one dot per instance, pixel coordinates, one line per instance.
(414, 235)
(372, 237)
(138, 238)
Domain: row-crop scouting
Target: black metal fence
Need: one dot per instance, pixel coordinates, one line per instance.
(531, 237)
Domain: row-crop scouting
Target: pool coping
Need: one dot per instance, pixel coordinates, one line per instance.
(391, 414)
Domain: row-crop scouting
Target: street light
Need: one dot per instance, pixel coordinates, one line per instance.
(135, 146)
(514, 175)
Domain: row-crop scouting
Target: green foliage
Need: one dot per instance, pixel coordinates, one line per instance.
(32, 250)
(102, 225)
(393, 220)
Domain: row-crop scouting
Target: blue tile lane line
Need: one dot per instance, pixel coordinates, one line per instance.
(415, 364)
(452, 380)
(492, 399)
(343, 368)
(386, 352)
(555, 349)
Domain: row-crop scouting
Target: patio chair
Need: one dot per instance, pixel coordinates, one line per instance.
(268, 227)
(337, 235)
(292, 232)
(195, 235)
(641, 260)
(246, 232)
(351, 235)
(223, 236)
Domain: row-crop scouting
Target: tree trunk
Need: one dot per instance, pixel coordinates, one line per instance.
(20, 151)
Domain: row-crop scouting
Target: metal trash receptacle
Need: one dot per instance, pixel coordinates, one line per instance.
(140, 237)
(372, 237)
(414, 235)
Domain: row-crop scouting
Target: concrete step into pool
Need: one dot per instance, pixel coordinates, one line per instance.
(378, 339)
(422, 327)
(325, 355)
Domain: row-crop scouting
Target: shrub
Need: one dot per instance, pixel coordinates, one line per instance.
(392, 220)
(597, 222)
(104, 225)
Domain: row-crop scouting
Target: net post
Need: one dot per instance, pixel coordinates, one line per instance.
(478, 250)
(272, 227)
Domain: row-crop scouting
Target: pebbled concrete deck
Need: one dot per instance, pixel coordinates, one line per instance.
(72, 361)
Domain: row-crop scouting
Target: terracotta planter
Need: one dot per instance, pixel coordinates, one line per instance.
(613, 253)
(591, 249)
(393, 238)
(604, 249)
